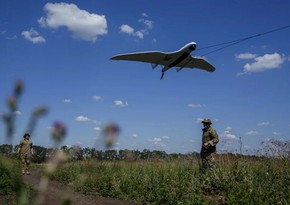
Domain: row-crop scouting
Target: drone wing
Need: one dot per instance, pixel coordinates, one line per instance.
(195, 62)
(153, 57)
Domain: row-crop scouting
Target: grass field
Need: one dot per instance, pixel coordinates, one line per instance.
(236, 180)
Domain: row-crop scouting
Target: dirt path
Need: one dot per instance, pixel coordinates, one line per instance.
(57, 191)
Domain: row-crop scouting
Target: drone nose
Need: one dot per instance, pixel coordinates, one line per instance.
(193, 47)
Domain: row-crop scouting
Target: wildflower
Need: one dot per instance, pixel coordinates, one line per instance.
(40, 111)
(110, 132)
(58, 131)
(12, 103)
(18, 88)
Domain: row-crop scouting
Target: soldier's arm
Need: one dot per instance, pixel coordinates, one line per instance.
(31, 149)
(19, 148)
(215, 137)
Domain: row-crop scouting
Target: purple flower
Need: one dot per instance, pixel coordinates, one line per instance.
(58, 131)
(18, 88)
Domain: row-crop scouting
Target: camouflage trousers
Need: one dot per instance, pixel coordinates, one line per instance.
(25, 162)
(207, 161)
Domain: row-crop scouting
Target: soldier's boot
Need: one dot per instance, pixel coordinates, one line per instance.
(23, 172)
(27, 171)
(27, 167)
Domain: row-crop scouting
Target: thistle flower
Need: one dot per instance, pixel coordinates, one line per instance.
(8, 119)
(18, 88)
(58, 131)
(40, 111)
(110, 132)
(12, 103)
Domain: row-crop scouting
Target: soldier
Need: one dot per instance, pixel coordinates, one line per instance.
(208, 149)
(25, 151)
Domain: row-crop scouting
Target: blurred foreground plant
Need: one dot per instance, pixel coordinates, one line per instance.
(8, 183)
(13, 106)
(12, 103)
(110, 133)
(58, 132)
(276, 148)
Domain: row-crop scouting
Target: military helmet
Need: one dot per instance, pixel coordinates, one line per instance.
(207, 121)
(26, 134)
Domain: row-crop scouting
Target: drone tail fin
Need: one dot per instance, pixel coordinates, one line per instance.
(153, 65)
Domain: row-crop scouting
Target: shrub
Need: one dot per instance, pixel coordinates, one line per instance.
(10, 180)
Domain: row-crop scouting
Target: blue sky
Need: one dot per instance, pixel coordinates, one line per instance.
(61, 50)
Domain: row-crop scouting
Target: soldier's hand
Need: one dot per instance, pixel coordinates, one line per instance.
(206, 145)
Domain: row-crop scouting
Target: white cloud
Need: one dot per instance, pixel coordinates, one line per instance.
(146, 24)
(134, 135)
(263, 123)
(158, 142)
(119, 103)
(82, 119)
(67, 101)
(17, 112)
(127, 29)
(131, 31)
(263, 63)
(252, 133)
(4, 33)
(97, 128)
(191, 105)
(33, 36)
(157, 139)
(84, 25)
(139, 34)
(245, 56)
(276, 133)
(97, 98)
(12, 37)
(165, 137)
(199, 120)
(227, 134)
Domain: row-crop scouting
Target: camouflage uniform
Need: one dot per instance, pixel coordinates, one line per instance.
(208, 149)
(25, 152)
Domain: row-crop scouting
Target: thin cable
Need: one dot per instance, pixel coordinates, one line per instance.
(233, 42)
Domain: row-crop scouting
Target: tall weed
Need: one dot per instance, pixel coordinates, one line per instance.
(235, 181)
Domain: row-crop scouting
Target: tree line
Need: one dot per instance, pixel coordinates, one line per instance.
(270, 148)
(41, 154)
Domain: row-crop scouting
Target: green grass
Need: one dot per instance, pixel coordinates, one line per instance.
(12, 189)
(235, 181)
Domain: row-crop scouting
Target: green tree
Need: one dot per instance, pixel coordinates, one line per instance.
(39, 155)
(146, 154)
(6, 149)
(111, 155)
